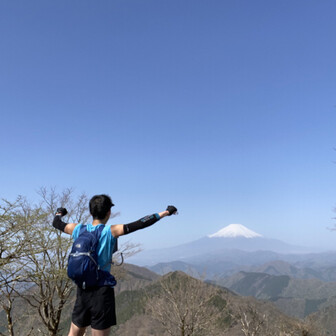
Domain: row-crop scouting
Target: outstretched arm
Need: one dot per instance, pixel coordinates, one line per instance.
(60, 225)
(123, 229)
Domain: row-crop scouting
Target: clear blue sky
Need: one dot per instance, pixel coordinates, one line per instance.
(225, 108)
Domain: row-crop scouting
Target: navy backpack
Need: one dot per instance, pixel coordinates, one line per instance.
(83, 266)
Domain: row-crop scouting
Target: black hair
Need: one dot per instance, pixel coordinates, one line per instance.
(100, 205)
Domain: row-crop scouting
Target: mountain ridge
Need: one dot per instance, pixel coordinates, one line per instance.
(139, 285)
(294, 297)
(197, 249)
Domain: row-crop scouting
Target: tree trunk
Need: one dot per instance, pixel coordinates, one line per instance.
(9, 320)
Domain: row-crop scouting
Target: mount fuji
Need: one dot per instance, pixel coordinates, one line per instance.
(235, 230)
(230, 243)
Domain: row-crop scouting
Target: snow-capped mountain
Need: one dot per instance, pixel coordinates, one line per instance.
(225, 244)
(235, 230)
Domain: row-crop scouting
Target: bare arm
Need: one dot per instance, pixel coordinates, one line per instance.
(70, 227)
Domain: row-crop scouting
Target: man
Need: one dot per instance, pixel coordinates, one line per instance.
(95, 306)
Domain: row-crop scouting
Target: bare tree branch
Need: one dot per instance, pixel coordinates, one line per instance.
(185, 305)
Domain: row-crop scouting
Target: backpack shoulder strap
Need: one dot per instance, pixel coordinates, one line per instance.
(82, 229)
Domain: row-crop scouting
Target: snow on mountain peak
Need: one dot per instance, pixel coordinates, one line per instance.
(235, 230)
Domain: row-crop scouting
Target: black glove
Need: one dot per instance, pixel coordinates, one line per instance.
(171, 209)
(61, 211)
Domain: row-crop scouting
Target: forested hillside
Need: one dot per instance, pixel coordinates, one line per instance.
(295, 297)
(151, 305)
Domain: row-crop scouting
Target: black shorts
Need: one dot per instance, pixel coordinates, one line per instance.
(94, 307)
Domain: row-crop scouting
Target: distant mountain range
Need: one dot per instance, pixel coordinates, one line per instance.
(295, 297)
(226, 242)
(236, 248)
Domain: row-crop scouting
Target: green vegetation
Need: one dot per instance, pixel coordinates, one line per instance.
(275, 287)
(130, 303)
(312, 306)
